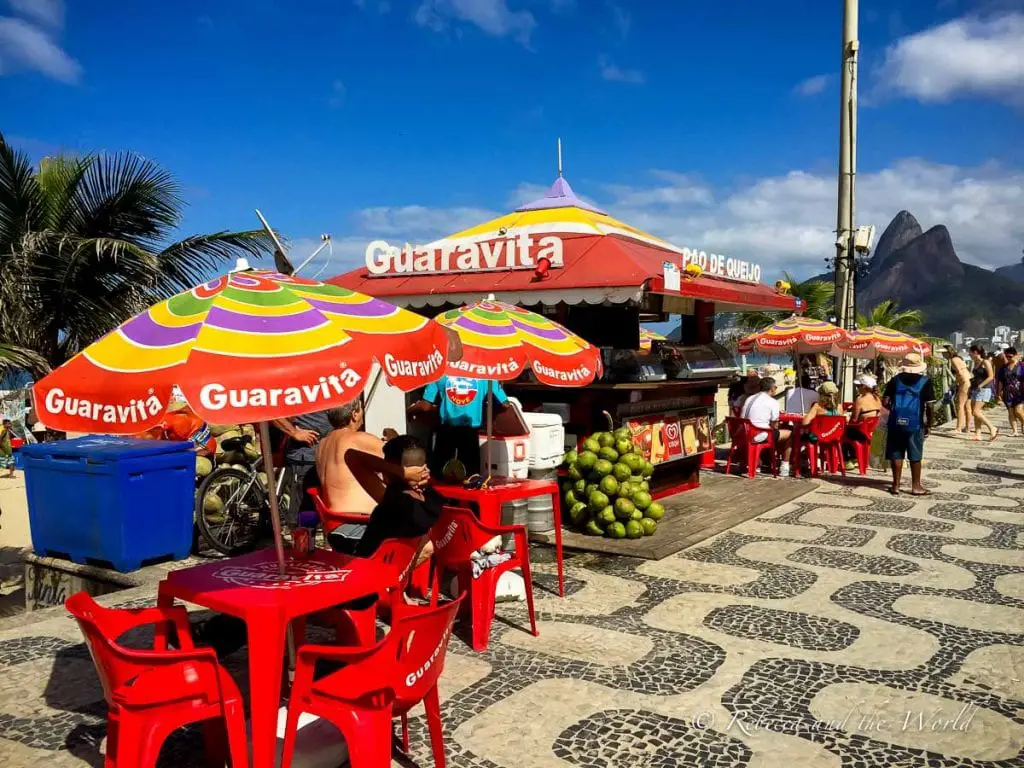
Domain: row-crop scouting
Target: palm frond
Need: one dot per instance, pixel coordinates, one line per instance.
(83, 248)
(815, 296)
(20, 198)
(192, 260)
(14, 358)
(127, 197)
(58, 179)
(888, 315)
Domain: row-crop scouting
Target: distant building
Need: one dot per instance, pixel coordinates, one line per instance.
(1002, 333)
(957, 338)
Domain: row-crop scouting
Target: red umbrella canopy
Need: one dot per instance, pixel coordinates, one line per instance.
(245, 347)
(499, 341)
(794, 335)
(879, 341)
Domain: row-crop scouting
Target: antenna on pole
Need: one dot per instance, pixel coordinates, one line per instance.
(559, 157)
(281, 262)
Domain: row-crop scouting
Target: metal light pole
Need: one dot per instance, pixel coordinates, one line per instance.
(845, 301)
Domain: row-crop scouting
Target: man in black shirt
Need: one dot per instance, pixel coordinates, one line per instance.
(909, 397)
(406, 507)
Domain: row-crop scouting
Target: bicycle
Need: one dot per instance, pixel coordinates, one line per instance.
(233, 505)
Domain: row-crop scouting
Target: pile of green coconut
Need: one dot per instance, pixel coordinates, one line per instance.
(606, 489)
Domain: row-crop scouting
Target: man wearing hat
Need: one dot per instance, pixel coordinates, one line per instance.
(908, 397)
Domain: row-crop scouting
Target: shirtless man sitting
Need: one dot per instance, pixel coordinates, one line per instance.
(340, 488)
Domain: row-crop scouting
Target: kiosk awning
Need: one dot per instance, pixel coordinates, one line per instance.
(600, 260)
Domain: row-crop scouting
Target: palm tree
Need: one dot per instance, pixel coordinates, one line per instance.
(816, 297)
(14, 359)
(888, 315)
(84, 247)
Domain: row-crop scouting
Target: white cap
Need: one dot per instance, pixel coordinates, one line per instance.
(866, 380)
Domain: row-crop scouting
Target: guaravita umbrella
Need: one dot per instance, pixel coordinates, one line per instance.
(501, 341)
(879, 341)
(249, 346)
(793, 336)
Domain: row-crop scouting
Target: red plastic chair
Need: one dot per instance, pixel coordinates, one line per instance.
(378, 684)
(151, 694)
(358, 625)
(828, 447)
(330, 518)
(743, 433)
(419, 583)
(456, 536)
(861, 448)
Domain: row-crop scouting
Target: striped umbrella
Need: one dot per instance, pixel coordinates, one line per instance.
(246, 347)
(250, 346)
(878, 341)
(647, 336)
(793, 336)
(500, 341)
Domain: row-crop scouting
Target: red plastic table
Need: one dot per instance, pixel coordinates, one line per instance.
(250, 588)
(501, 490)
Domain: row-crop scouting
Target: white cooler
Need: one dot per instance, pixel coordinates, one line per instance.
(510, 456)
(547, 439)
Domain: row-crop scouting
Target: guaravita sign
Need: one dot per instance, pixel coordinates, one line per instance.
(514, 252)
(521, 251)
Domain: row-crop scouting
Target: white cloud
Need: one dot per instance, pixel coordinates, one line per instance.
(491, 16)
(784, 222)
(961, 57)
(416, 222)
(621, 18)
(24, 46)
(615, 74)
(812, 86)
(787, 222)
(47, 12)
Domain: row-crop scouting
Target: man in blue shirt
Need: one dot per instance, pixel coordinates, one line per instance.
(461, 404)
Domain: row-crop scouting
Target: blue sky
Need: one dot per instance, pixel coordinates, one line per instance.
(711, 124)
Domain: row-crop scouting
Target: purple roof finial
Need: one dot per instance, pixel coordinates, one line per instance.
(559, 196)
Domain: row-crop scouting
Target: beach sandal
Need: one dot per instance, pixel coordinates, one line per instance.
(893, 491)
(994, 436)
(925, 492)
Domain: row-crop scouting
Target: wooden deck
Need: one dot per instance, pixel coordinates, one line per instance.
(690, 517)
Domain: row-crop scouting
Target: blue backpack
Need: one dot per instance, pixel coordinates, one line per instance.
(906, 405)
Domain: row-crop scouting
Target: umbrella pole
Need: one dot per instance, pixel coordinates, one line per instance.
(275, 515)
(373, 388)
(275, 522)
(490, 426)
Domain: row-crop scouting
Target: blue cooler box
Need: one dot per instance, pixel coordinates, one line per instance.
(110, 500)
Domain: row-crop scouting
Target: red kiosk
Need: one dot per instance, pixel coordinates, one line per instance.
(563, 257)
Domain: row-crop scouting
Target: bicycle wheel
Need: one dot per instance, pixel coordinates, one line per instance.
(283, 483)
(230, 506)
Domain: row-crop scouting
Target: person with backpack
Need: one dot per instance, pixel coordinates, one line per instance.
(908, 397)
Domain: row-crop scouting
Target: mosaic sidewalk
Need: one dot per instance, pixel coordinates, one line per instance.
(847, 628)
